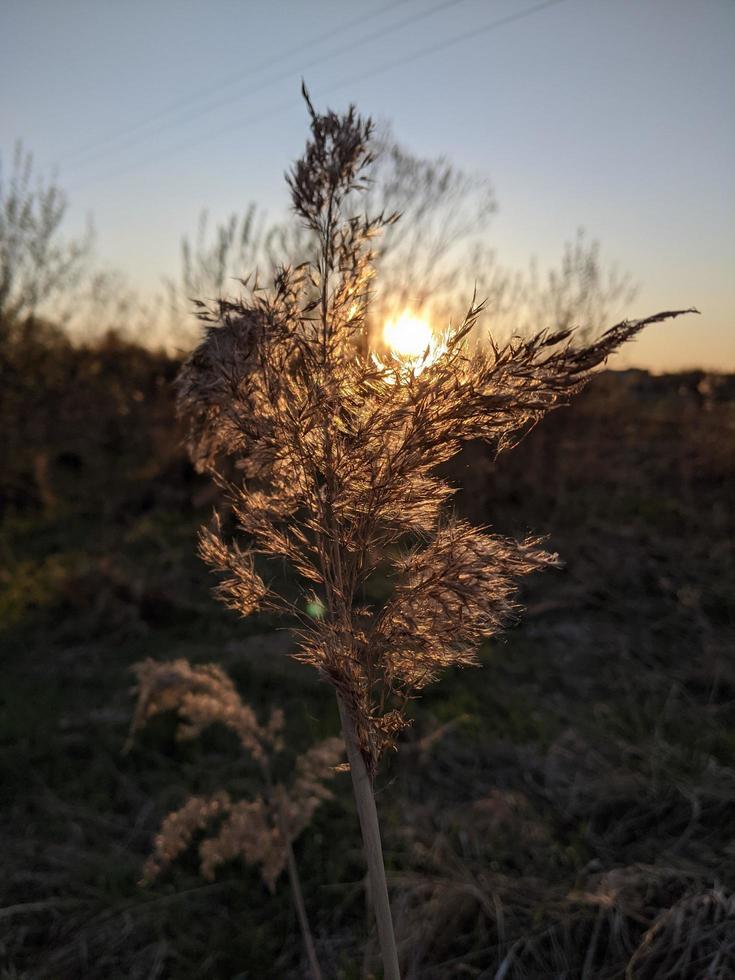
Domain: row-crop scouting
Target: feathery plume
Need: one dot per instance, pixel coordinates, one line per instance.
(337, 453)
(260, 831)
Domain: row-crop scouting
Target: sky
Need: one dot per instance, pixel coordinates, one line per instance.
(616, 116)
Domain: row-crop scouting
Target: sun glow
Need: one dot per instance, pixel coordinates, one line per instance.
(408, 336)
(413, 347)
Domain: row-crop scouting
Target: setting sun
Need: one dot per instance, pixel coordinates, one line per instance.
(408, 336)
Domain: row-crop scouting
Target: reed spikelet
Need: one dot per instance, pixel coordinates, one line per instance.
(260, 831)
(336, 453)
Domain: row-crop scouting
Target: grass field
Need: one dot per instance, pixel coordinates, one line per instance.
(545, 812)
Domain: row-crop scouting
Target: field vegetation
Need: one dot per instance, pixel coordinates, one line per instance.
(565, 811)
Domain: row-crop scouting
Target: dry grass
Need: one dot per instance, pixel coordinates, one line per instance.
(590, 764)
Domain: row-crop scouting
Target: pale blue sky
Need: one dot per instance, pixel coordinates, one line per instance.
(614, 115)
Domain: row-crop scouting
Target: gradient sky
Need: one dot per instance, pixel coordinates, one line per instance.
(613, 115)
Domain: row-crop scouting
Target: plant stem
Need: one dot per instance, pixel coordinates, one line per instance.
(276, 800)
(365, 799)
(298, 900)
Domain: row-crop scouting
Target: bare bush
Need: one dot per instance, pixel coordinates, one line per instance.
(37, 265)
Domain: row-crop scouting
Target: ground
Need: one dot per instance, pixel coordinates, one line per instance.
(544, 811)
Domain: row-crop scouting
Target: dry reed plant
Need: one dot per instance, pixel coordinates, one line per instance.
(336, 452)
(260, 831)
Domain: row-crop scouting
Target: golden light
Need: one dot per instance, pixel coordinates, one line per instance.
(414, 346)
(408, 336)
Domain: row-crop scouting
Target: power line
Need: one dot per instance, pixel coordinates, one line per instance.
(350, 80)
(239, 76)
(443, 45)
(288, 73)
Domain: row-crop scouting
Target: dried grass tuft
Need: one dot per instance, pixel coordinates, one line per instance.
(260, 831)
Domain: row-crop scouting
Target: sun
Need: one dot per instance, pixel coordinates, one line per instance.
(408, 336)
(414, 347)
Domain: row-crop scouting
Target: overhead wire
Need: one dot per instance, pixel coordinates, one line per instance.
(239, 76)
(353, 79)
(218, 103)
